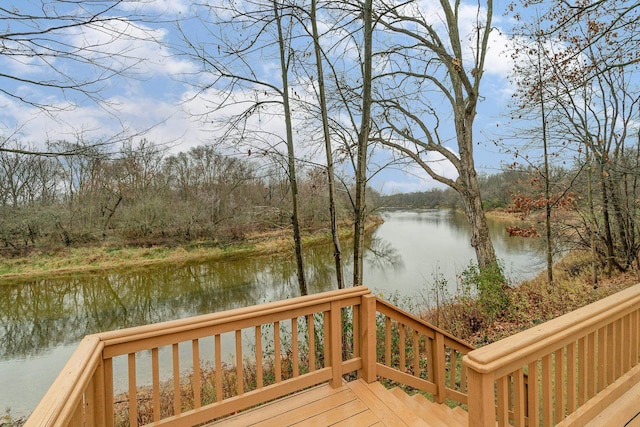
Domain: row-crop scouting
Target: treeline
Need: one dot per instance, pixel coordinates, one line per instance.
(144, 195)
(496, 190)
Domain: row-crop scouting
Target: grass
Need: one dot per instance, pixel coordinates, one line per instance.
(109, 257)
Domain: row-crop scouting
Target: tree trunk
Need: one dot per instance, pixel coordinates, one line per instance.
(480, 237)
(337, 252)
(610, 261)
(291, 160)
(470, 190)
(363, 139)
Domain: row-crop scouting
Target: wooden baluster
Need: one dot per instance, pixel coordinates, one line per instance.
(510, 393)
(416, 354)
(326, 338)
(387, 341)
(259, 373)
(294, 347)
(276, 351)
(571, 377)
(177, 398)
(533, 390)
(133, 391)
(439, 369)
(602, 359)
(155, 383)
(430, 363)
(592, 366)
(311, 336)
(356, 331)
(239, 376)
(519, 398)
(450, 382)
(583, 371)
(633, 338)
(218, 356)
(547, 395)
(611, 355)
(402, 348)
(626, 343)
(559, 384)
(195, 350)
(619, 348)
(503, 400)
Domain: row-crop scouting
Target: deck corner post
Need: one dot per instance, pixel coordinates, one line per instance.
(481, 406)
(99, 398)
(368, 337)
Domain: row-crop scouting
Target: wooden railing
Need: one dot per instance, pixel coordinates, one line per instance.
(194, 370)
(415, 353)
(576, 365)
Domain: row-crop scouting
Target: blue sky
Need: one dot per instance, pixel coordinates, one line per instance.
(155, 99)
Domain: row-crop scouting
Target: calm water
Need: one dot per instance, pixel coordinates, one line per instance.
(42, 321)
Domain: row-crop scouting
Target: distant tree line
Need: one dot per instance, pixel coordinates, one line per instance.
(143, 195)
(496, 190)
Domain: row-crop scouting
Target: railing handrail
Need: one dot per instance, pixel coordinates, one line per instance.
(228, 316)
(250, 315)
(504, 356)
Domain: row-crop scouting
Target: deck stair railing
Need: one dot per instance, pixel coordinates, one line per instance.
(576, 365)
(194, 370)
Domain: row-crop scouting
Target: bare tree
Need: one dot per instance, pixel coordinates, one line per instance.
(238, 35)
(58, 54)
(433, 75)
(47, 36)
(591, 84)
(363, 143)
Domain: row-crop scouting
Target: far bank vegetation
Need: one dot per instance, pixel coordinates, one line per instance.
(144, 196)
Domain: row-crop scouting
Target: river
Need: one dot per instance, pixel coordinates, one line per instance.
(42, 321)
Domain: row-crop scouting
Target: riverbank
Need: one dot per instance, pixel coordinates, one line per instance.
(68, 261)
(531, 303)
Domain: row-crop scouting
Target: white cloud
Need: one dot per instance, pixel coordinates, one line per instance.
(161, 7)
(128, 46)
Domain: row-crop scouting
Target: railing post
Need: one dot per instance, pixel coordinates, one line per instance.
(368, 337)
(439, 368)
(335, 330)
(481, 406)
(98, 410)
(108, 390)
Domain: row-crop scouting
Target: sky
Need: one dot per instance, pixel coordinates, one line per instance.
(154, 99)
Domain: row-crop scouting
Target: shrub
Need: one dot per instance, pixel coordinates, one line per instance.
(490, 287)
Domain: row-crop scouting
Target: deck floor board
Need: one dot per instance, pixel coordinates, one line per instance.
(353, 404)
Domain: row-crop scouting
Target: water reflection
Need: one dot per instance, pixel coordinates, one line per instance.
(42, 321)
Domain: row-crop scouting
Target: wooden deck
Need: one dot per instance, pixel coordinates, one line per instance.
(354, 404)
(582, 368)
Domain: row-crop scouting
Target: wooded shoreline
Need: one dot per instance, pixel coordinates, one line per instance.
(92, 259)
